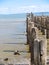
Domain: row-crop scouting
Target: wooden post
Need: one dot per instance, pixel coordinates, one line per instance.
(36, 52)
(32, 17)
(32, 37)
(43, 51)
(27, 30)
(40, 51)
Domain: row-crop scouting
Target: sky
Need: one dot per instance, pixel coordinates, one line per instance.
(23, 6)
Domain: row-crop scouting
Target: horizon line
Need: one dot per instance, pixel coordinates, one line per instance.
(23, 13)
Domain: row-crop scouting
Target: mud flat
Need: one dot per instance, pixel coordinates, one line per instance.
(7, 51)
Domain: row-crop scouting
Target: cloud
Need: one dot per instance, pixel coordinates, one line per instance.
(25, 9)
(42, 8)
(34, 8)
(3, 10)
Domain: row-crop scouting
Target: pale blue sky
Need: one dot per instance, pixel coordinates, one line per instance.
(23, 6)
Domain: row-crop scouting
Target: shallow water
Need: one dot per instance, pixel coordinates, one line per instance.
(12, 31)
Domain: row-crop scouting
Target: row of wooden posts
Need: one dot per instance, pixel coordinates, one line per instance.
(42, 22)
(38, 45)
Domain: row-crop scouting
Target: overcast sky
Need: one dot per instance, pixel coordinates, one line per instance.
(23, 6)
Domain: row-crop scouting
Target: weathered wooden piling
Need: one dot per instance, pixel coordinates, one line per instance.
(38, 45)
(47, 26)
(42, 22)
